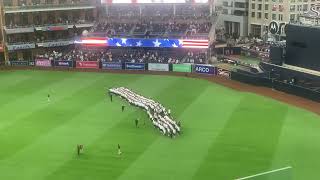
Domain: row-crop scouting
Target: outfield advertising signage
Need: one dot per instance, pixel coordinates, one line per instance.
(204, 69)
(63, 63)
(43, 62)
(158, 67)
(87, 64)
(181, 67)
(224, 73)
(135, 66)
(19, 63)
(32, 63)
(111, 65)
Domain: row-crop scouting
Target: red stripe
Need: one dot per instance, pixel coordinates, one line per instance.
(193, 44)
(195, 40)
(95, 38)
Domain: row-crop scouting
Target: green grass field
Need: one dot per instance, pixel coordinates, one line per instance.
(226, 134)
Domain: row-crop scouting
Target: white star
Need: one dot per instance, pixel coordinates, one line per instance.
(174, 45)
(124, 40)
(118, 44)
(156, 43)
(139, 43)
(180, 42)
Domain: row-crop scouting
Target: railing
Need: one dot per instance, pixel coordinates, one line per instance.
(256, 79)
(19, 43)
(46, 6)
(56, 42)
(47, 25)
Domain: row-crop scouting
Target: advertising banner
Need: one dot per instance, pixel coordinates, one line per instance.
(43, 62)
(204, 69)
(63, 64)
(55, 43)
(87, 64)
(181, 67)
(158, 67)
(224, 73)
(135, 66)
(111, 65)
(21, 46)
(19, 63)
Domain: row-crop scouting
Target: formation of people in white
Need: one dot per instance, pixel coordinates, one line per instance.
(158, 114)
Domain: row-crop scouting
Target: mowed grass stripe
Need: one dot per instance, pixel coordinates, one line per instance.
(50, 116)
(9, 79)
(101, 159)
(54, 149)
(11, 92)
(298, 146)
(26, 105)
(169, 97)
(250, 137)
(207, 149)
(57, 146)
(179, 158)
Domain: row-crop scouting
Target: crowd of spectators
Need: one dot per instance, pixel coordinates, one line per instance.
(134, 55)
(73, 55)
(37, 2)
(157, 20)
(49, 22)
(39, 37)
(149, 28)
(261, 51)
(159, 10)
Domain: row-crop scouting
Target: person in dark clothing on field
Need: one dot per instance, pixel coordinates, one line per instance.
(122, 108)
(171, 135)
(119, 150)
(79, 149)
(136, 122)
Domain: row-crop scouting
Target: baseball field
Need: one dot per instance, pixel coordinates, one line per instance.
(227, 134)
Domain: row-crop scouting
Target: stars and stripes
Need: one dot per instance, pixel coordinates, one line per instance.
(99, 41)
(194, 43)
(141, 42)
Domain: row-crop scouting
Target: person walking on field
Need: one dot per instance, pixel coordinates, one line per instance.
(79, 149)
(136, 122)
(119, 150)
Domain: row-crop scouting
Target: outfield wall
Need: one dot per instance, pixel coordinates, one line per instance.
(277, 85)
(181, 69)
(114, 66)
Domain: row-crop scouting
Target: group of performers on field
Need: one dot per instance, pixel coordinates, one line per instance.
(158, 114)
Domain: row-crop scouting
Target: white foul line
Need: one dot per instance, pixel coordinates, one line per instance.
(288, 167)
